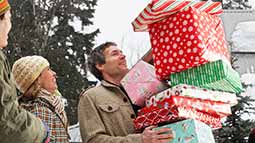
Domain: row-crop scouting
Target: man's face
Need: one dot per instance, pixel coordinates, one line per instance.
(115, 62)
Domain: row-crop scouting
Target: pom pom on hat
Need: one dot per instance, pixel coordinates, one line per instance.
(4, 6)
(27, 69)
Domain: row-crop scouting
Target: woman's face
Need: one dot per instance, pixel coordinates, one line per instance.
(47, 80)
(5, 27)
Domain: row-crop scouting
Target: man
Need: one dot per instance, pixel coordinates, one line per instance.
(16, 124)
(105, 112)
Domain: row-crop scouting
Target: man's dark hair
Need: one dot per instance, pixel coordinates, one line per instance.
(2, 16)
(97, 57)
(251, 138)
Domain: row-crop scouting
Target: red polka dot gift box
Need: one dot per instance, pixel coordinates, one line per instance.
(186, 38)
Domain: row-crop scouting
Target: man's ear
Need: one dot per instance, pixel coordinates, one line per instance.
(100, 67)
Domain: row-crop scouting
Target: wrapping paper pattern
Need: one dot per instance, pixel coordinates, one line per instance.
(209, 119)
(214, 75)
(187, 39)
(140, 83)
(190, 131)
(159, 9)
(216, 108)
(161, 116)
(177, 113)
(193, 92)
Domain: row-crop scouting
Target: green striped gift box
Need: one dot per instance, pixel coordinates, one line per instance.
(215, 75)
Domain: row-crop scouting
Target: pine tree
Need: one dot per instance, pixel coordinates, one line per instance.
(44, 27)
(236, 129)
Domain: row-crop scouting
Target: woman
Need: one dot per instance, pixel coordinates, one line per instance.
(37, 83)
(16, 124)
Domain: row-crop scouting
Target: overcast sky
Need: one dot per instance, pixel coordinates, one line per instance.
(114, 17)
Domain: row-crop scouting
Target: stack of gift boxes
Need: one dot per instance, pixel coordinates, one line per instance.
(190, 55)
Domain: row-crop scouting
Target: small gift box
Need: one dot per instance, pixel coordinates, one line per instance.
(141, 83)
(212, 107)
(216, 75)
(157, 10)
(160, 116)
(190, 131)
(193, 92)
(176, 113)
(207, 106)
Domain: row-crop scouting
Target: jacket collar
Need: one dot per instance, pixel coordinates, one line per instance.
(109, 84)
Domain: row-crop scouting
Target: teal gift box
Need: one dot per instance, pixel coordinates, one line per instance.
(215, 75)
(190, 131)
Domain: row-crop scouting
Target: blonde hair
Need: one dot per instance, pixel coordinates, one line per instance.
(33, 90)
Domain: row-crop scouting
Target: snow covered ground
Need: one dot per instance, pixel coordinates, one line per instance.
(74, 132)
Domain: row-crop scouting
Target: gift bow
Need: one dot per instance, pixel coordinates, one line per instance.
(159, 9)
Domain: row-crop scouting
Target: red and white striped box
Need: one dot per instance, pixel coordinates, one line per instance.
(213, 107)
(157, 10)
(193, 92)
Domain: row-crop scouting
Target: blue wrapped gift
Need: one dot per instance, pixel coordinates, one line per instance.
(190, 131)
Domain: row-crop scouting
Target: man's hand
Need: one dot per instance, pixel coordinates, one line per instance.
(157, 136)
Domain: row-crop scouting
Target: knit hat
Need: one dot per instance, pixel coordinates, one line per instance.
(27, 69)
(4, 6)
